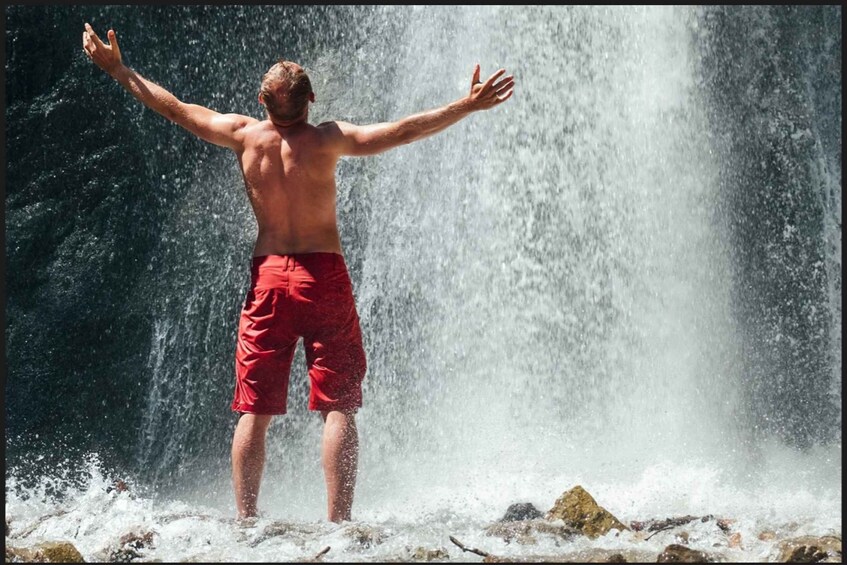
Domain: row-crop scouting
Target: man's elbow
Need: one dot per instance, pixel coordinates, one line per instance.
(406, 134)
(172, 113)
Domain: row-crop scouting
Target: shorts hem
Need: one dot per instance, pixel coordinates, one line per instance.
(259, 411)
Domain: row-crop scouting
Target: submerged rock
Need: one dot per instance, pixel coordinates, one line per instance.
(767, 535)
(118, 486)
(593, 555)
(293, 530)
(676, 553)
(47, 552)
(426, 554)
(129, 546)
(521, 511)
(810, 549)
(365, 536)
(579, 510)
(524, 531)
(735, 540)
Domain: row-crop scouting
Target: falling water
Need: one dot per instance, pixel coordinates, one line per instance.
(552, 293)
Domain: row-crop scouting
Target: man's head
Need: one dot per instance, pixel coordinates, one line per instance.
(286, 92)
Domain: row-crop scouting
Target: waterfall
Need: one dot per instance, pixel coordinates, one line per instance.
(633, 263)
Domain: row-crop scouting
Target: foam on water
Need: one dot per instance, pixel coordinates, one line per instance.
(94, 516)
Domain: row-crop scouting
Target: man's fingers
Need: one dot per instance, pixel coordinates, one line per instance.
(504, 97)
(492, 78)
(475, 78)
(503, 83)
(505, 87)
(93, 35)
(113, 42)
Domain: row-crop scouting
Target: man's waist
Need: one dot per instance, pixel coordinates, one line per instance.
(278, 270)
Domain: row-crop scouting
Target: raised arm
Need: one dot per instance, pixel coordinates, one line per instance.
(221, 129)
(356, 140)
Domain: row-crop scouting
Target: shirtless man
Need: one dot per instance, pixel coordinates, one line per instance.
(300, 284)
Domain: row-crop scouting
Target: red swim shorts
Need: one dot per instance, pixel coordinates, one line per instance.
(306, 295)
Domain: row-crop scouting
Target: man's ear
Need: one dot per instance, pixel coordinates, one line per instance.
(260, 99)
(311, 97)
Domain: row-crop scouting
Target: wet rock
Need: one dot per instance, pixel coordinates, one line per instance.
(682, 537)
(593, 555)
(579, 510)
(137, 540)
(666, 524)
(426, 554)
(725, 524)
(119, 486)
(291, 530)
(810, 549)
(123, 555)
(670, 523)
(526, 540)
(521, 511)
(47, 552)
(767, 535)
(676, 553)
(735, 540)
(524, 532)
(129, 546)
(365, 536)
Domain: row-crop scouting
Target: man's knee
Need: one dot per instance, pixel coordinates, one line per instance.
(253, 424)
(348, 414)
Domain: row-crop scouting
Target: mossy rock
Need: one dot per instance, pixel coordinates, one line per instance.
(47, 552)
(676, 553)
(579, 510)
(810, 549)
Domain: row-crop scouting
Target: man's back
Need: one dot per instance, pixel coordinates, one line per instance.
(289, 174)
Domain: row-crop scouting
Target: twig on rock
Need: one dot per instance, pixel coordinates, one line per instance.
(463, 547)
(322, 552)
(666, 528)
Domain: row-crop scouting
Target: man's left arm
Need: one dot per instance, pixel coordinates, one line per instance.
(221, 129)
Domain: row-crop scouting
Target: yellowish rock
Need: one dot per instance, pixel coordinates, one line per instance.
(810, 549)
(579, 510)
(676, 553)
(48, 552)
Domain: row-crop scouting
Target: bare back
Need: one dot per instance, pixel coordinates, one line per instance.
(289, 174)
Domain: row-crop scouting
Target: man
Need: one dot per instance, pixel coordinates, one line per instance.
(300, 284)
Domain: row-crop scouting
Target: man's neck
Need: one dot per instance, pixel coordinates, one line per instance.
(290, 123)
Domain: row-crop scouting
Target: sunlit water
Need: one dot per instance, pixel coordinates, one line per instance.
(545, 291)
(793, 497)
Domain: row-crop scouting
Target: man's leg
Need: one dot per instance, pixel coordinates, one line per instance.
(340, 454)
(248, 461)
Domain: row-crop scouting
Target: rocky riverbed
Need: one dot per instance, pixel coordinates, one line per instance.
(110, 523)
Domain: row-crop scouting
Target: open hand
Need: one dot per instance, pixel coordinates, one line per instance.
(485, 95)
(107, 57)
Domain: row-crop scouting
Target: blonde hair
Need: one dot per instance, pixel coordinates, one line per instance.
(285, 91)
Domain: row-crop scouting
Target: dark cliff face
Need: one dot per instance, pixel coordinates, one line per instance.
(81, 217)
(114, 217)
(772, 78)
(92, 178)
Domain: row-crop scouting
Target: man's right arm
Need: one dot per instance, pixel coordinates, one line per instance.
(225, 130)
(355, 140)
